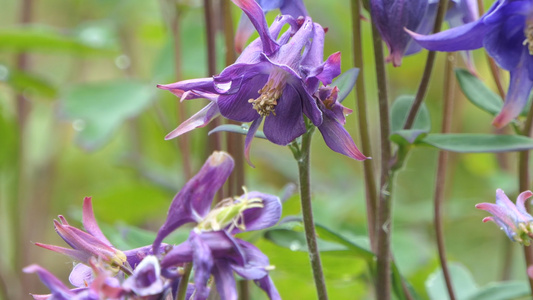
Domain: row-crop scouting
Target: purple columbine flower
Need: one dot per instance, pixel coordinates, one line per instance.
(391, 17)
(506, 32)
(513, 219)
(294, 8)
(93, 244)
(212, 247)
(273, 79)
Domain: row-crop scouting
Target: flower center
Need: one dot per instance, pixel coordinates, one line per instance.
(528, 32)
(269, 94)
(229, 212)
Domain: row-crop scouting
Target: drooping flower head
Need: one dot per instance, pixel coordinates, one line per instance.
(274, 80)
(513, 219)
(212, 247)
(506, 33)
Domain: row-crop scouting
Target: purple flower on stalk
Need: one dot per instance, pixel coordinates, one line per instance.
(513, 219)
(211, 246)
(391, 17)
(272, 80)
(506, 33)
(294, 8)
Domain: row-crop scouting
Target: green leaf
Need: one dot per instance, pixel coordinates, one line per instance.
(478, 143)
(478, 93)
(97, 109)
(242, 129)
(502, 290)
(345, 82)
(399, 111)
(462, 281)
(24, 82)
(48, 40)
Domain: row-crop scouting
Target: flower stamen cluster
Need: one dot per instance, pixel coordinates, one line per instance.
(269, 94)
(528, 32)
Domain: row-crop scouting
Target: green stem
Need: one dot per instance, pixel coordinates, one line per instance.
(302, 155)
(426, 76)
(440, 179)
(524, 179)
(184, 282)
(368, 168)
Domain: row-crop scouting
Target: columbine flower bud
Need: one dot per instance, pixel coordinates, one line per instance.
(513, 219)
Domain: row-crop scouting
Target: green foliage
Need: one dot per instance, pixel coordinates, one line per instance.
(478, 143)
(399, 112)
(98, 109)
(345, 83)
(478, 93)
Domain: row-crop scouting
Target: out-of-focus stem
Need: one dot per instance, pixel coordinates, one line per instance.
(183, 141)
(213, 140)
(383, 230)
(303, 159)
(184, 282)
(368, 168)
(440, 180)
(426, 76)
(524, 179)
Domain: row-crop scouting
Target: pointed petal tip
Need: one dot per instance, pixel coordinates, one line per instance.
(488, 219)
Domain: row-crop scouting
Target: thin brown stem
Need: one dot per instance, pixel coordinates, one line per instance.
(213, 141)
(426, 76)
(184, 141)
(383, 230)
(524, 180)
(368, 168)
(447, 113)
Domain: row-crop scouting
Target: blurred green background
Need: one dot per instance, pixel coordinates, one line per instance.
(93, 124)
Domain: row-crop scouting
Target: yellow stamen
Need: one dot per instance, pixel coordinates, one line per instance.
(269, 94)
(528, 32)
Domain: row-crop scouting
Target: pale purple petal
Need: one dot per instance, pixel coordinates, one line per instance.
(135, 256)
(256, 16)
(59, 290)
(290, 53)
(467, 37)
(315, 55)
(295, 8)
(224, 280)
(521, 206)
(89, 222)
(194, 200)
(146, 278)
(198, 120)
(203, 264)
(338, 139)
(267, 285)
(287, 123)
(258, 218)
(255, 265)
(179, 88)
(517, 96)
(81, 275)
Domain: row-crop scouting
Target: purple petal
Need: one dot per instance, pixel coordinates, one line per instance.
(179, 88)
(338, 139)
(224, 280)
(89, 222)
(198, 120)
(203, 263)
(59, 290)
(258, 218)
(295, 8)
(290, 53)
(330, 69)
(194, 200)
(517, 96)
(74, 254)
(146, 279)
(521, 201)
(255, 265)
(315, 55)
(236, 107)
(467, 37)
(256, 16)
(504, 42)
(248, 140)
(267, 285)
(287, 123)
(135, 256)
(81, 275)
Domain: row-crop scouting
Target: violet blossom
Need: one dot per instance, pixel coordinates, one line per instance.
(506, 33)
(273, 79)
(211, 246)
(513, 219)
